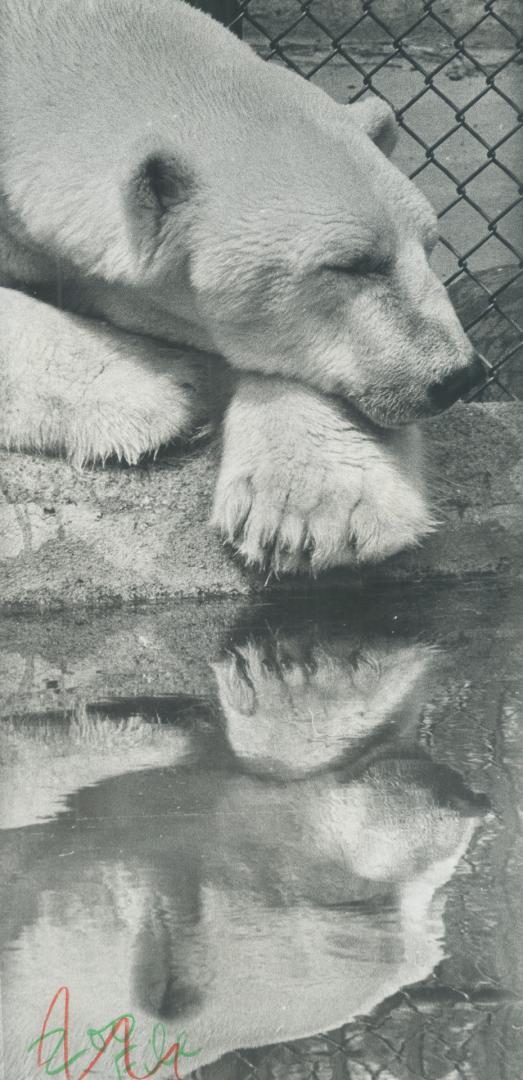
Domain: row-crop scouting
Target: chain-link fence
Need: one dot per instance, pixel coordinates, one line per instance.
(451, 69)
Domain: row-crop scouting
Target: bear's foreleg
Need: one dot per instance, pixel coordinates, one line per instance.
(82, 388)
(303, 484)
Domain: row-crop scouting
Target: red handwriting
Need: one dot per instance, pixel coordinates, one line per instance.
(60, 1059)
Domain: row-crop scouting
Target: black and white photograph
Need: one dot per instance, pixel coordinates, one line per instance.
(261, 539)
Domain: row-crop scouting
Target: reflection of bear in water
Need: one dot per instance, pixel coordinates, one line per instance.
(199, 204)
(263, 878)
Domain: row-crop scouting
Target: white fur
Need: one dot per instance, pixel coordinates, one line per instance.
(80, 388)
(41, 766)
(290, 716)
(301, 482)
(272, 231)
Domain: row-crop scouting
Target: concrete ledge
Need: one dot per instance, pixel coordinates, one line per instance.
(116, 535)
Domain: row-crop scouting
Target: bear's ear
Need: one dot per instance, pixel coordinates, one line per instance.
(158, 186)
(377, 120)
(160, 183)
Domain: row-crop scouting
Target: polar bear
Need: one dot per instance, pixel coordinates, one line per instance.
(243, 882)
(167, 199)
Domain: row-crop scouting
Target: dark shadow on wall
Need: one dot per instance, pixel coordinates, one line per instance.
(225, 11)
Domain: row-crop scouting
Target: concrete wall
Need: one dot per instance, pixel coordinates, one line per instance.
(111, 536)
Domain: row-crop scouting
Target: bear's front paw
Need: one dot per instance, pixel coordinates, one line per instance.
(297, 701)
(301, 487)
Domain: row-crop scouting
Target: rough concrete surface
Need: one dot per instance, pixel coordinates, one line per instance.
(116, 535)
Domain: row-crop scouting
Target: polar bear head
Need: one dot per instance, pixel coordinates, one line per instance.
(300, 248)
(238, 201)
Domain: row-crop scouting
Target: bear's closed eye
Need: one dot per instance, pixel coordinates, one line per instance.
(363, 265)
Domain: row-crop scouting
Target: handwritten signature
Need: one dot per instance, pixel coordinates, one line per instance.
(53, 1041)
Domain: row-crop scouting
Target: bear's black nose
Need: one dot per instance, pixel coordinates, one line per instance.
(456, 385)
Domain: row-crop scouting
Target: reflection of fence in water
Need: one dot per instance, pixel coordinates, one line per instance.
(433, 1032)
(453, 76)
